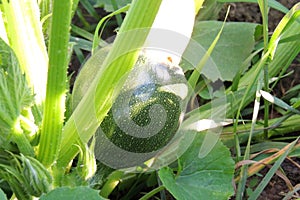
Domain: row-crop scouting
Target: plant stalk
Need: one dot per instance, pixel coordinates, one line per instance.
(263, 4)
(56, 83)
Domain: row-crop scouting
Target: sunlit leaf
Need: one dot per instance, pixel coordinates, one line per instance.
(201, 178)
(15, 94)
(76, 193)
(278, 102)
(234, 46)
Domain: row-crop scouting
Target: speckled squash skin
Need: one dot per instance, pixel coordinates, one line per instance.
(139, 113)
(148, 111)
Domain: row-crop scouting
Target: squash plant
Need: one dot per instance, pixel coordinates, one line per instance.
(132, 118)
(38, 142)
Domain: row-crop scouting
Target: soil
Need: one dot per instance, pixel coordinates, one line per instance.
(249, 12)
(278, 187)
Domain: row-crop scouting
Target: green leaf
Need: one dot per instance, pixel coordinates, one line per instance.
(282, 28)
(2, 195)
(201, 178)
(25, 175)
(54, 107)
(278, 102)
(15, 95)
(24, 30)
(96, 39)
(234, 46)
(108, 5)
(199, 67)
(76, 193)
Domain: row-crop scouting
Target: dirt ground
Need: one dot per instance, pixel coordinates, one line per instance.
(278, 187)
(249, 12)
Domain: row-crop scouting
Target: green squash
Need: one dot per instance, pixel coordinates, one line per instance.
(146, 114)
(148, 111)
(139, 114)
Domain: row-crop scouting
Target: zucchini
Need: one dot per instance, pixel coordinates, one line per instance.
(149, 109)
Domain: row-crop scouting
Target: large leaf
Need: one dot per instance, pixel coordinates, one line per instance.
(201, 178)
(234, 46)
(76, 193)
(2, 195)
(25, 175)
(15, 94)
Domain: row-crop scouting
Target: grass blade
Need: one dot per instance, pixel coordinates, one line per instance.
(263, 5)
(243, 173)
(271, 173)
(278, 102)
(96, 39)
(281, 28)
(81, 32)
(118, 16)
(89, 7)
(290, 194)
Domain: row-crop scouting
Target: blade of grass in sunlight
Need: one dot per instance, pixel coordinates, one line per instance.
(278, 102)
(96, 39)
(281, 28)
(113, 180)
(285, 53)
(193, 79)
